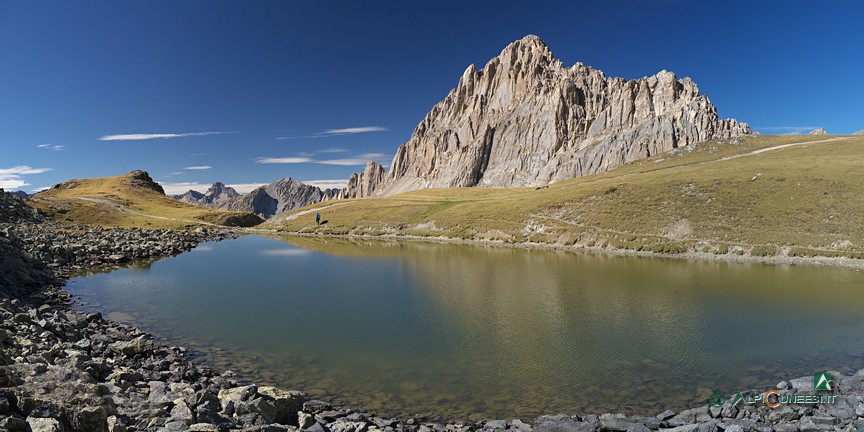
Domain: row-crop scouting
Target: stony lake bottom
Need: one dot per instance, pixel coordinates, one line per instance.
(471, 332)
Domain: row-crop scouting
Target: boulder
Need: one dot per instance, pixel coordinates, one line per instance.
(286, 403)
(90, 419)
(41, 424)
(139, 345)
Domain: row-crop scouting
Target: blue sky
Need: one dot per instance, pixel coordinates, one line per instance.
(317, 88)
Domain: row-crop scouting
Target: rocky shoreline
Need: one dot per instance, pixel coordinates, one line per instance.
(64, 370)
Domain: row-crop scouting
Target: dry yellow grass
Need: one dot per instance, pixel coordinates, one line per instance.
(715, 197)
(63, 204)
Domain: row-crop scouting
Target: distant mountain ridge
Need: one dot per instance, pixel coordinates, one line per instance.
(215, 196)
(266, 201)
(525, 119)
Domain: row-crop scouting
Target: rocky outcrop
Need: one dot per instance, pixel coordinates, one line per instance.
(819, 131)
(14, 209)
(258, 201)
(265, 201)
(368, 182)
(281, 196)
(217, 195)
(140, 179)
(525, 119)
(859, 133)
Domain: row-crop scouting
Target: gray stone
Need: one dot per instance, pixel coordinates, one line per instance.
(785, 427)
(286, 403)
(115, 425)
(139, 345)
(316, 427)
(638, 428)
(495, 424)
(305, 420)
(90, 419)
(843, 408)
(203, 427)
(665, 415)
(14, 424)
(684, 428)
(615, 422)
(233, 396)
(815, 424)
(782, 413)
(38, 424)
(691, 416)
(560, 423)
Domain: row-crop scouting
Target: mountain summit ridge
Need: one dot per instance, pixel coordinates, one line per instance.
(525, 119)
(266, 201)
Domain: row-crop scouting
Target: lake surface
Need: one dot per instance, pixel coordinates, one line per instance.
(467, 332)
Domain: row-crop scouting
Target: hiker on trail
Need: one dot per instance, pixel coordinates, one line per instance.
(318, 218)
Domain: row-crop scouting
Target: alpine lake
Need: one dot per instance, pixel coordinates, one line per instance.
(477, 332)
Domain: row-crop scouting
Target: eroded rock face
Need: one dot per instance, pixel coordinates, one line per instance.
(265, 201)
(280, 196)
(818, 131)
(525, 119)
(216, 195)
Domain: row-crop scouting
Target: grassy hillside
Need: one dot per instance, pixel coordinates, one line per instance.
(760, 196)
(87, 201)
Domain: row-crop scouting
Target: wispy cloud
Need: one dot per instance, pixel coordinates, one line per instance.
(245, 188)
(57, 147)
(285, 252)
(180, 188)
(198, 167)
(359, 160)
(786, 129)
(328, 184)
(353, 161)
(338, 132)
(284, 160)
(351, 131)
(332, 150)
(11, 178)
(139, 137)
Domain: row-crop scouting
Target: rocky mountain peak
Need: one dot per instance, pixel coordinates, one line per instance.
(141, 179)
(266, 201)
(818, 131)
(525, 120)
(216, 194)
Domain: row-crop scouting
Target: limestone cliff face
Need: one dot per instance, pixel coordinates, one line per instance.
(525, 119)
